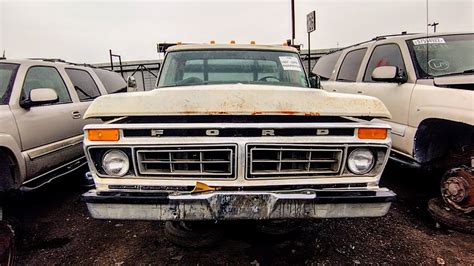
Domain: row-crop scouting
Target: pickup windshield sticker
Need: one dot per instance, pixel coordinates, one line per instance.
(428, 40)
(290, 63)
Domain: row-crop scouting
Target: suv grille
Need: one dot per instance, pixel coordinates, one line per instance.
(295, 160)
(205, 161)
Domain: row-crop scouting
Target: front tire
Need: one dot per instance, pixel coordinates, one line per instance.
(192, 234)
(451, 217)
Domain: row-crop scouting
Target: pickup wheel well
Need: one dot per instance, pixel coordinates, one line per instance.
(8, 170)
(443, 143)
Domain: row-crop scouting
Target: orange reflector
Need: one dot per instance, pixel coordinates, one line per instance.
(285, 44)
(213, 42)
(232, 42)
(103, 134)
(252, 42)
(178, 43)
(372, 133)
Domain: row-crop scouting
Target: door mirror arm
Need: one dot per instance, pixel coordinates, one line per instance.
(401, 77)
(314, 81)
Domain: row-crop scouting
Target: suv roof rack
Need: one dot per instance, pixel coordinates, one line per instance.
(49, 59)
(382, 37)
(376, 38)
(58, 60)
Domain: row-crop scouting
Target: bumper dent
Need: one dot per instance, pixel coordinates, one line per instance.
(235, 205)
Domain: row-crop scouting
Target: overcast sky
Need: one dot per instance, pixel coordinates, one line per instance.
(84, 31)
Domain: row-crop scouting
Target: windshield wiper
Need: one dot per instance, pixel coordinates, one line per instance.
(468, 71)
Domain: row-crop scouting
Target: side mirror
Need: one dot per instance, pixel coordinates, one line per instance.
(40, 96)
(389, 74)
(315, 82)
(131, 84)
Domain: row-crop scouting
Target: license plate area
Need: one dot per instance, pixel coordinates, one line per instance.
(251, 206)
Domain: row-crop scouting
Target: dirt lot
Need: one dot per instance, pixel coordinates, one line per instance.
(54, 228)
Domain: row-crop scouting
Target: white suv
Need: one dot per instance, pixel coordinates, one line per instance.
(427, 84)
(41, 107)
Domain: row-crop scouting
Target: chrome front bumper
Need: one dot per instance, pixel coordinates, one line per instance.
(239, 205)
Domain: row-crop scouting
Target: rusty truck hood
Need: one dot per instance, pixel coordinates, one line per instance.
(236, 99)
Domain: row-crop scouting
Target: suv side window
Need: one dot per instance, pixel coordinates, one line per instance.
(83, 84)
(45, 77)
(325, 65)
(112, 81)
(384, 55)
(350, 66)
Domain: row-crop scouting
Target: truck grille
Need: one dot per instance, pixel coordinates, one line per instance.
(295, 160)
(205, 162)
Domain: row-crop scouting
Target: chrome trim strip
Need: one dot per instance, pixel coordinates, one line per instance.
(54, 147)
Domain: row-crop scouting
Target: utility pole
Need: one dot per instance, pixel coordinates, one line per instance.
(292, 22)
(434, 24)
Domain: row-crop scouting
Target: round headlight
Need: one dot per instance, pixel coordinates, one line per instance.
(115, 163)
(360, 161)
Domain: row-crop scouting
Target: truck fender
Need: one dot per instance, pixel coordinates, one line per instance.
(436, 137)
(9, 145)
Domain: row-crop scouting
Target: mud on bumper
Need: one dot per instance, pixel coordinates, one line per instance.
(235, 205)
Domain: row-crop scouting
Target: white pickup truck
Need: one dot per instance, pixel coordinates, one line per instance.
(427, 84)
(236, 132)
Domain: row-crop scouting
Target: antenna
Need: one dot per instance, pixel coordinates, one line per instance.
(434, 24)
(427, 43)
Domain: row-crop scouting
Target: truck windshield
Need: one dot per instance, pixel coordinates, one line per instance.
(7, 76)
(185, 68)
(443, 55)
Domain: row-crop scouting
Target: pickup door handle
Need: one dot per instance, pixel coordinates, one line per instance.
(359, 91)
(76, 115)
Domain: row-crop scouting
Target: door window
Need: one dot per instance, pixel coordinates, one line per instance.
(325, 65)
(112, 81)
(45, 77)
(350, 66)
(83, 84)
(384, 55)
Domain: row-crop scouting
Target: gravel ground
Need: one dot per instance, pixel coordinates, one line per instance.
(54, 228)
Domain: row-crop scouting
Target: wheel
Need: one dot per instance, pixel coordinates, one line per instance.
(192, 234)
(277, 227)
(457, 188)
(451, 217)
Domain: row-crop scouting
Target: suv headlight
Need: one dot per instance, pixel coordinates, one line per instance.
(115, 163)
(360, 161)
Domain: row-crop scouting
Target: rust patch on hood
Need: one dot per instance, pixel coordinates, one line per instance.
(236, 99)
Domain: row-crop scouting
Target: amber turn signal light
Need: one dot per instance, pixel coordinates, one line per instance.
(372, 133)
(103, 134)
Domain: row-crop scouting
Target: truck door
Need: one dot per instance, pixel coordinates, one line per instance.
(395, 96)
(347, 74)
(48, 135)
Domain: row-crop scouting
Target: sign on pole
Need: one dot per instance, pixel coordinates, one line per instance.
(311, 26)
(311, 21)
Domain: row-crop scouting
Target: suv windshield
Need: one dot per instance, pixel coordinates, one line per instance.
(442, 55)
(186, 68)
(7, 76)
